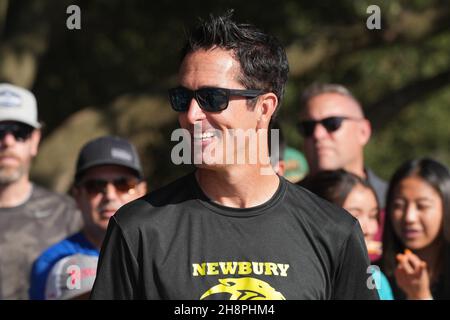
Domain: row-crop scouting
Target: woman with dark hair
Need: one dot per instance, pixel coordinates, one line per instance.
(416, 237)
(358, 197)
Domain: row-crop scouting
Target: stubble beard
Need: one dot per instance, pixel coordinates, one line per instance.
(10, 175)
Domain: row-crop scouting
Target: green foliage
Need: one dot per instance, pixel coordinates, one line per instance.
(422, 130)
(132, 47)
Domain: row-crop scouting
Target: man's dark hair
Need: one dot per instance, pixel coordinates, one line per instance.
(262, 58)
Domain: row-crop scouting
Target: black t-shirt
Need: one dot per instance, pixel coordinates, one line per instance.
(175, 243)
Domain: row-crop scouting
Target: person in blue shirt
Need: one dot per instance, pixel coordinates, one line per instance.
(358, 197)
(108, 175)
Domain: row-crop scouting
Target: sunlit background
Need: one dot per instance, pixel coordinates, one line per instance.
(112, 75)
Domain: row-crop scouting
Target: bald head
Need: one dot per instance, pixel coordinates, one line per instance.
(332, 94)
(332, 104)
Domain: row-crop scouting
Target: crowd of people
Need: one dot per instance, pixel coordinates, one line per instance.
(225, 230)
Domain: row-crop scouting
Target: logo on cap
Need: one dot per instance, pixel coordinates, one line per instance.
(9, 99)
(121, 154)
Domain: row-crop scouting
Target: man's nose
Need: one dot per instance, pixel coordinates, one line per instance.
(8, 140)
(110, 192)
(194, 112)
(319, 132)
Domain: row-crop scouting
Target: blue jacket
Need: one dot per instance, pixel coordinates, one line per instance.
(74, 244)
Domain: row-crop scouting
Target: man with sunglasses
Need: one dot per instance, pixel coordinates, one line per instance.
(231, 230)
(31, 217)
(335, 132)
(108, 175)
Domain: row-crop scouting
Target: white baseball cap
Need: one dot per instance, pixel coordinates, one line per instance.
(71, 277)
(18, 104)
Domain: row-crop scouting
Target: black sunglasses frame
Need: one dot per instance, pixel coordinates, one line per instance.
(202, 100)
(331, 124)
(21, 132)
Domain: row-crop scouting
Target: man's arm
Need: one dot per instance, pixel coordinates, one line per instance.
(352, 277)
(117, 270)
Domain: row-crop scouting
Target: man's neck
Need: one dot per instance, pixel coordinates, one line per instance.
(238, 186)
(16, 193)
(95, 240)
(360, 172)
(357, 168)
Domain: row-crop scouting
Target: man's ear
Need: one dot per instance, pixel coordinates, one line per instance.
(142, 188)
(365, 131)
(34, 140)
(266, 107)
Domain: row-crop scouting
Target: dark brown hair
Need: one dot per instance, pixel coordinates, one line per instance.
(262, 58)
(335, 185)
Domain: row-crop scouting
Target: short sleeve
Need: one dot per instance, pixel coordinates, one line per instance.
(117, 270)
(352, 276)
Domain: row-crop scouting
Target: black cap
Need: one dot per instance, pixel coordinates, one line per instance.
(108, 150)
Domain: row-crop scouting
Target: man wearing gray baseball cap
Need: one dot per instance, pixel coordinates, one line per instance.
(31, 217)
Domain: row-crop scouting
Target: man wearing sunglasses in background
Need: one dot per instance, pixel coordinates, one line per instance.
(231, 230)
(108, 175)
(31, 217)
(335, 132)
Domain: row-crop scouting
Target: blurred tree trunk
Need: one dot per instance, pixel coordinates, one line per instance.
(24, 35)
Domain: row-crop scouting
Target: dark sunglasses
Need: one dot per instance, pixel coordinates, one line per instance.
(123, 185)
(21, 132)
(331, 124)
(209, 99)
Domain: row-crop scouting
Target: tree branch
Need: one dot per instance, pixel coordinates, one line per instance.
(385, 109)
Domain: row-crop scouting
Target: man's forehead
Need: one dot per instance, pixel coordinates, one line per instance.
(212, 63)
(332, 104)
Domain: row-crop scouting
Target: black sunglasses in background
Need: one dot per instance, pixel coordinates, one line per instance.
(209, 98)
(331, 124)
(123, 185)
(21, 132)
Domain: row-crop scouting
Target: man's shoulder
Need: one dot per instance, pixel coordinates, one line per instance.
(319, 212)
(45, 196)
(157, 204)
(59, 250)
(379, 185)
(374, 179)
(175, 192)
(309, 201)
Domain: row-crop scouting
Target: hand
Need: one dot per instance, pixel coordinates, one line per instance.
(412, 276)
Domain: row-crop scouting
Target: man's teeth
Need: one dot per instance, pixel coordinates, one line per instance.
(204, 135)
